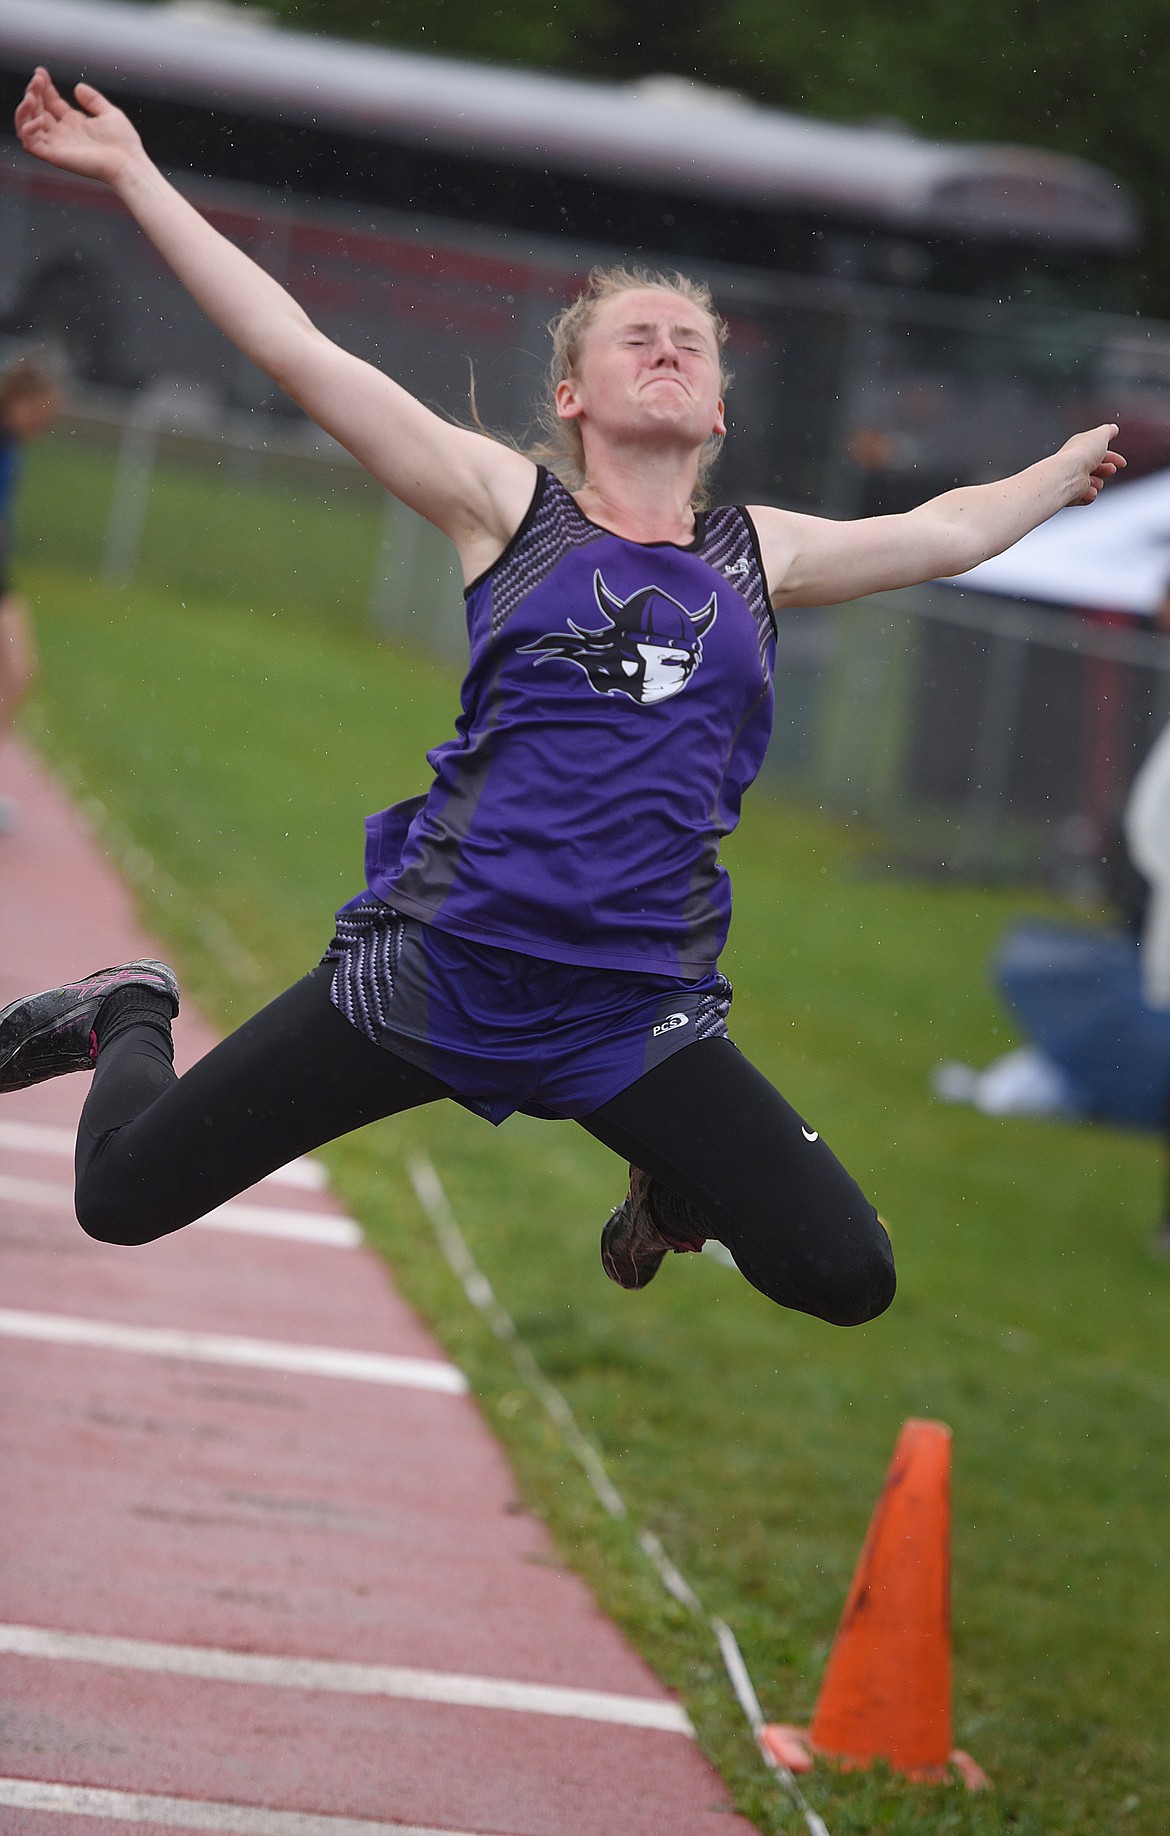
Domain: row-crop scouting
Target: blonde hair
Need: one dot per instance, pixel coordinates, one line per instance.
(562, 449)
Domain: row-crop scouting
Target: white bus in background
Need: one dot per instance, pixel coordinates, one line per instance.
(905, 313)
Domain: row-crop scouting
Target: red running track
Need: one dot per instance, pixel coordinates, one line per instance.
(244, 1596)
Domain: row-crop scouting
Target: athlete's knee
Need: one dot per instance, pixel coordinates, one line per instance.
(110, 1216)
(844, 1277)
(860, 1285)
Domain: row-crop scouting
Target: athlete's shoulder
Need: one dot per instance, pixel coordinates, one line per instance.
(779, 534)
(554, 527)
(730, 544)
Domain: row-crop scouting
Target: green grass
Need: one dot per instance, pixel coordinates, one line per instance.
(277, 539)
(239, 752)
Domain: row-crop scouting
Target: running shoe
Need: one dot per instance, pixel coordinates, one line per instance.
(45, 1035)
(645, 1227)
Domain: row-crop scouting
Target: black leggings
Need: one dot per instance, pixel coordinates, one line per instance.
(155, 1151)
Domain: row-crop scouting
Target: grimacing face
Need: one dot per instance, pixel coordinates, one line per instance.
(652, 355)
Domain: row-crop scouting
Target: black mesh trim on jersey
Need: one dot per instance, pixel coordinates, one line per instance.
(518, 536)
(365, 950)
(555, 527)
(730, 547)
(713, 1009)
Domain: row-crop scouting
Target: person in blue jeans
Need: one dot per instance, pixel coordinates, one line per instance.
(541, 930)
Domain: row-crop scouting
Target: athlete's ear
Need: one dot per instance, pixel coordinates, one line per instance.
(720, 426)
(568, 403)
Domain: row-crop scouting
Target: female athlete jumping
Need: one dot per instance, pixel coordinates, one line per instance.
(541, 930)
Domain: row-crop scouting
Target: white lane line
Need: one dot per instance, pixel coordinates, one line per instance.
(193, 1813)
(308, 1175)
(37, 1138)
(237, 1214)
(42, 1138)
(219, 1348)
(36, 1192)
(273, 1221)
(448, 1687)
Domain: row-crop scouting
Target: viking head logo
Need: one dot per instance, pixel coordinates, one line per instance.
(648, 648)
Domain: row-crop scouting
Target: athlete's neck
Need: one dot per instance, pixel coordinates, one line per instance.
(644, 503)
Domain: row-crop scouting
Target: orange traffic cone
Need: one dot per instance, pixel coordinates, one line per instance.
(886, 1693)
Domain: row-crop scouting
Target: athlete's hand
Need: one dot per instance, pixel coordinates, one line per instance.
(1091, 461)
(95, 140)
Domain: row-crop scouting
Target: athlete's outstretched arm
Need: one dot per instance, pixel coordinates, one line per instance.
(814, 561)
(474, 489)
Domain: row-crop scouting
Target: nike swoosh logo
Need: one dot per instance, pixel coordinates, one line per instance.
(809, 1134)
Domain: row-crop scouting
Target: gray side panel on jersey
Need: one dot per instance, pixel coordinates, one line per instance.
(427, 883)
(701, 914)
(728, 544)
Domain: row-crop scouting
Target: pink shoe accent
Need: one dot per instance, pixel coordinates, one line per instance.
(680, 1245)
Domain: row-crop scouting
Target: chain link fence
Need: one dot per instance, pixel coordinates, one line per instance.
(978, 736)
(168, 487)
(848, 397)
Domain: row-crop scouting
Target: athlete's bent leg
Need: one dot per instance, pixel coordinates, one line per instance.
(712, 1128)
(155, 1151)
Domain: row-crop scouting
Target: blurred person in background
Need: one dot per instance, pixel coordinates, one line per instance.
(540, 929)
(1146, 821)
(31, 397)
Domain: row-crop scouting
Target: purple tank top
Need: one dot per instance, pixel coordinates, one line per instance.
(617, 705)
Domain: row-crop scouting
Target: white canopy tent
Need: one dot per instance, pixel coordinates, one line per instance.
(1112, 556)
